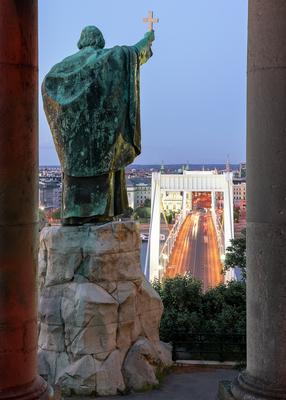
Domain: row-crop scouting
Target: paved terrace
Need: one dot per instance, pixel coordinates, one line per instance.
(185, 383)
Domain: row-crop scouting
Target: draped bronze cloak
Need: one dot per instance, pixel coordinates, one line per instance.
(91, 100)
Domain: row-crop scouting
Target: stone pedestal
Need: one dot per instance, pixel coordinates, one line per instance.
(99, 317)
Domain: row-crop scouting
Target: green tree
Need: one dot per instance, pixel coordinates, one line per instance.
(170, 216)
(236, 214)
(224, 309)
(147, 203)
(181, 297)
(143, 212)
(188, 310)
(128, 212)
(56, 214)
(236, 255)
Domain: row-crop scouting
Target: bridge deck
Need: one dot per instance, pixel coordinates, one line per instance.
(196, 250)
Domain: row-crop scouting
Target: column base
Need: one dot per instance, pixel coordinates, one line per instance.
(38, 389)
(245, 387)
(224, 391)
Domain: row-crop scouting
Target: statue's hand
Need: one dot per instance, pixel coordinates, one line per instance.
(150, 36)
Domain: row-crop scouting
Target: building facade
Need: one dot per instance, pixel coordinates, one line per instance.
(239, 194)
(137, 193)
(50, 194)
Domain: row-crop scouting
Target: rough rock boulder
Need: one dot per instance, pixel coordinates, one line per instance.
(98, 316)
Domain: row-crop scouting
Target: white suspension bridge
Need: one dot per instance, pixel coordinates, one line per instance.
(158, 257)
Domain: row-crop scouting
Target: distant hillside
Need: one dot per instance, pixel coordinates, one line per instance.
(192, 167)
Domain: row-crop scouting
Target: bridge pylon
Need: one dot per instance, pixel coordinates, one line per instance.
(154, 237)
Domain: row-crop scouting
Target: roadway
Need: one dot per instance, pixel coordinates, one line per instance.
(196, 250)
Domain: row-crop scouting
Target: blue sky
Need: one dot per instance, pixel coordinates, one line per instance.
(193, 89)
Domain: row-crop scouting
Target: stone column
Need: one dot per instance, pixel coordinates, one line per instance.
(18, 200)
(265, 376)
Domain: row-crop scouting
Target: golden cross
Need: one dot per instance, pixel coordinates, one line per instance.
(150, 20)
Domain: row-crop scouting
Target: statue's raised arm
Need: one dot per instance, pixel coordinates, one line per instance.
(144, 47)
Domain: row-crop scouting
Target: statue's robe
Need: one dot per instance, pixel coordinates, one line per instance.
(92, 103)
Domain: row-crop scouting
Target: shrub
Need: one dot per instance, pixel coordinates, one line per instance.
(236, 255)
(220, 310)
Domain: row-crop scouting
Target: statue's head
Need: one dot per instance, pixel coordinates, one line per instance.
(91, 36)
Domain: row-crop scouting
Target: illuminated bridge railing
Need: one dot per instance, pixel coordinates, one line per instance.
(167, 249)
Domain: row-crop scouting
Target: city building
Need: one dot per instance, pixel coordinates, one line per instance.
(50, 193)
(50, 187)
(239, 194)
(138, 191)
(242, 170)
(172, 201)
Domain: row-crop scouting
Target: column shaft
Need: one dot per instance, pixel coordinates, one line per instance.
(266, 204)
(18, 200)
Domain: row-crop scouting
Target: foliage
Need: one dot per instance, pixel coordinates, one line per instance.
(142, 212)
(128, 212)
(170, 216)
(187, 309)
(236, 255)
(236, 214)
(56, 214)
(147, 203)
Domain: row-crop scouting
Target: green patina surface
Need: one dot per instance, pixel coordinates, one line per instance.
(92, 103)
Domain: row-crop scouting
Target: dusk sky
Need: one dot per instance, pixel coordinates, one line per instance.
(193, 89)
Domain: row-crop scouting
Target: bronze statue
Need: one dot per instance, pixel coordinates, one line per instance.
(92, 103)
